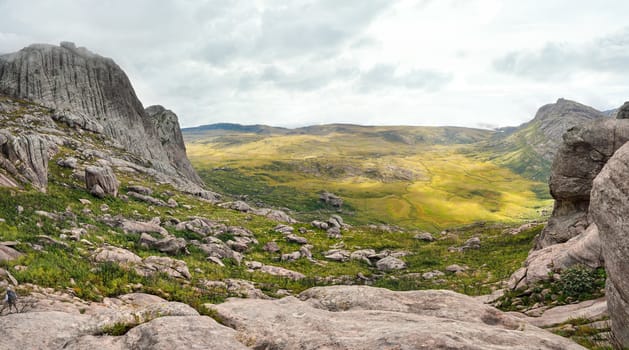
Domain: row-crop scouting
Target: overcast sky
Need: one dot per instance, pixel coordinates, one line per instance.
(478, 63)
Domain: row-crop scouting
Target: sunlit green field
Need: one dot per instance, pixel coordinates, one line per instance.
(417, 177)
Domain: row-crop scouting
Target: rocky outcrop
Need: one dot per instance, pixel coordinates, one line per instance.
(93, 93)
(359, 317)
(581, 157)
(169, 133)
(101, 181)
(571, 237)
(610, 210)
(148, 266)
(25, 158)
(153, 323)
(584, 249)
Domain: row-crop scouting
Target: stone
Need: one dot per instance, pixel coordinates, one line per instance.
(282, 272)
(243, 289)
(361, 317)
(171, 267)
(271, 247)
(275, 215)
(390, 264)
(140, 189)
(25, 158)
(103, 178)
(320, 225)
(237, 205)
(169, 245)
(609, 208)
(118, 255)
(472, 243)
(8, 253)
(432, 274)
(336, 221)
(331, 199)
(589, 309)
(70, 162)
(584, 249)
(334, 232)
(284, 229)
(340, 255)
(292, 238)
(214, 247)
(147, 199)
(291, 256)
(424, 236)
(454, 268)
(133, 226)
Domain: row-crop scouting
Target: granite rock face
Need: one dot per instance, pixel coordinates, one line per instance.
(583, 154)
(610, 210)
(167, 124)
(91, 92)
(25, 157)
(360, 317)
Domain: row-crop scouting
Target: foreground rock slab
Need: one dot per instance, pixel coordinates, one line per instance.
(360, 317)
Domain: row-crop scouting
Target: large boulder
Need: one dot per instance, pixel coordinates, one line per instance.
(610, 210)
(8, 253)
(360, 317)
(101, 181)
(582, 155)
(584, 249)
(157, 326)
(25, 158)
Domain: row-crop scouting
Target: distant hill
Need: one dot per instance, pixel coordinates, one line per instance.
(406, 175)
(398, 134)
(530, 148)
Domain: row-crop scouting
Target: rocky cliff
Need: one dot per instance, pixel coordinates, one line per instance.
(92, 92)
(588, 226)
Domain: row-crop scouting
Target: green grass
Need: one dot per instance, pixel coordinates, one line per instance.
(413, 184)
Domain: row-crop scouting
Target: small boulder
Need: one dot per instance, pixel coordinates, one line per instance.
(424, 236)
(292, 238)
(271, 247)
(454, 268)
(102, 177)
(390, 264)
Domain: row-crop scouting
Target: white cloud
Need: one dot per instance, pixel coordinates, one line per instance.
(298, 62)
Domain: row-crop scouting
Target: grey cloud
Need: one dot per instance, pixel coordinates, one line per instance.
(561, 60)
(384, 76)
(307, 77)
(303, 27)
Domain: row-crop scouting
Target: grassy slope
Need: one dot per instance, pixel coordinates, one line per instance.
(68, 266)
(412, 177)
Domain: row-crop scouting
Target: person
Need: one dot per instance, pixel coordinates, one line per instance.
(10, 299)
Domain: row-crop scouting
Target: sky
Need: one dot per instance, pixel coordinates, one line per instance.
(473, 63)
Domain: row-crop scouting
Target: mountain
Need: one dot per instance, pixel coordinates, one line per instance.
(530, 148)
(93, 93)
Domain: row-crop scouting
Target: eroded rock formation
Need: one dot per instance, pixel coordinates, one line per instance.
(93, 93)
